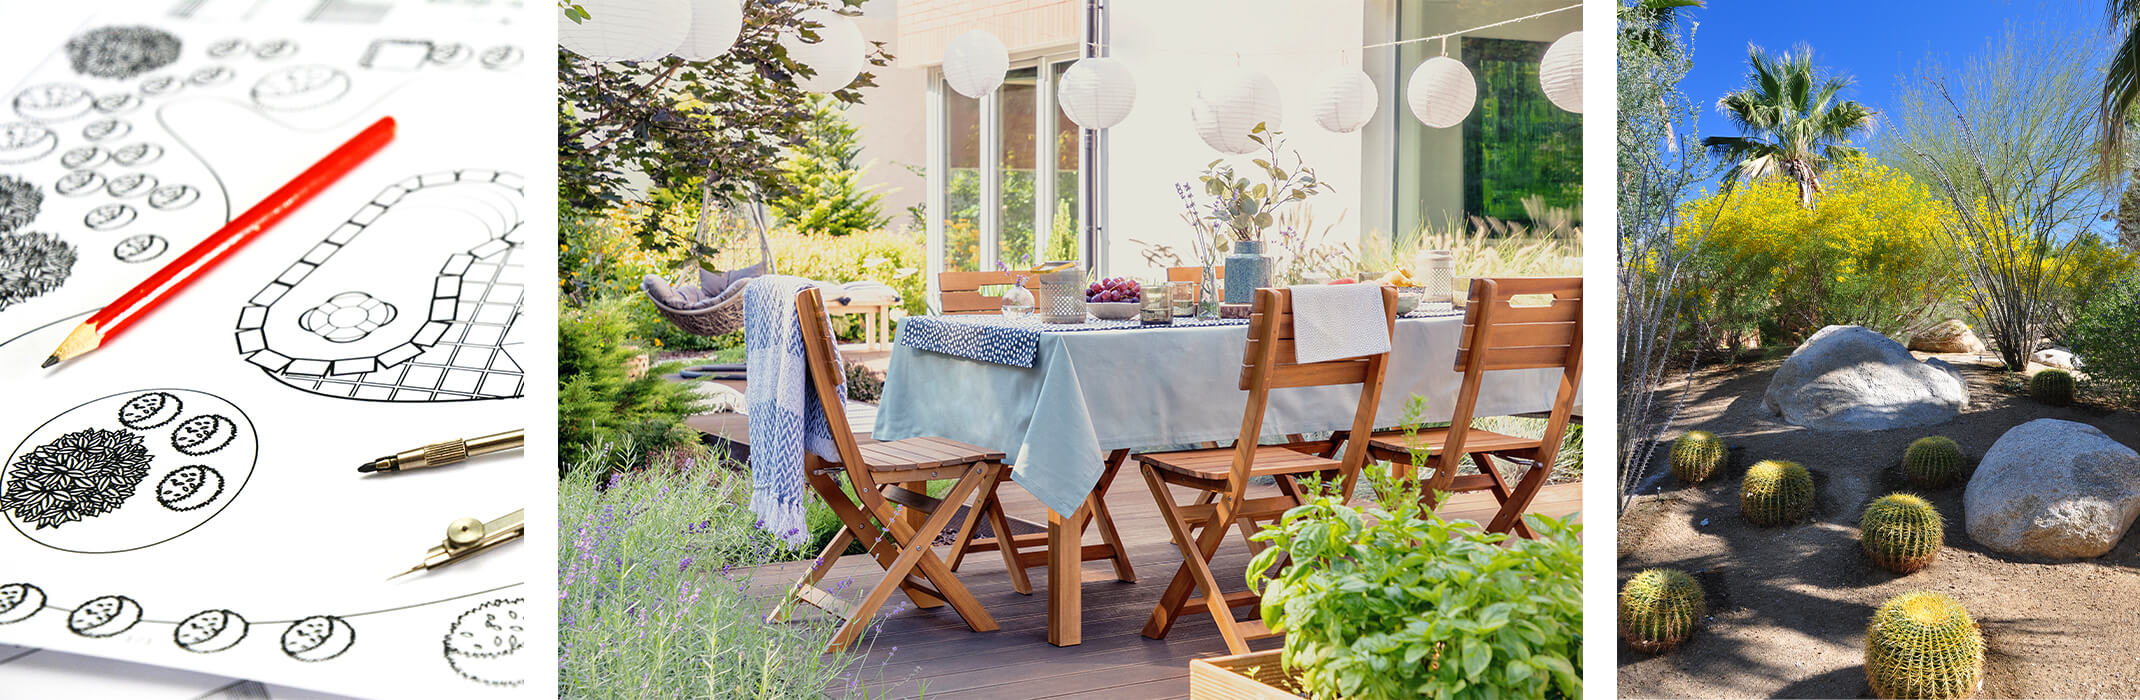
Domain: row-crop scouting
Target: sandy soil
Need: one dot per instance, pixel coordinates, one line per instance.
(1789, 605)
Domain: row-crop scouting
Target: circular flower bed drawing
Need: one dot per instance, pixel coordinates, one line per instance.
(83, 474)
(116, 474)
(347, 317)
(32, 264)
(121, 52)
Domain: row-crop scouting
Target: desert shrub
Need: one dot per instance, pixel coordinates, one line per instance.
(1933, 463)
(1776, 492)
(1368, 613)
(1869, 252)
(2053, 387)
(1901, 532)
(2106, 334)
(1697, 456)
(1923, 645)
(595, 398)
(1659, 610)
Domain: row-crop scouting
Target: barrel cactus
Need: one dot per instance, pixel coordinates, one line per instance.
(1776, 492)
(1901, 532)
(2052, 386)
(1697, 456)
(1933, 463)
(1659, 609)
(1923, 645)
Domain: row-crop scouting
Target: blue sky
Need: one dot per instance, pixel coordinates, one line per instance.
(1877, 42)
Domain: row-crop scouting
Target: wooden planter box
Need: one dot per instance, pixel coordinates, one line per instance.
(1252, 676)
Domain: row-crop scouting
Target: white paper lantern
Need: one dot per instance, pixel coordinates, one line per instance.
(1560, 73)
(1097, 92)
(1345, 99)
(715, 24)
(1441, 92)
(837, 56)
(974, 63)
(626, 30)
(1230, 105)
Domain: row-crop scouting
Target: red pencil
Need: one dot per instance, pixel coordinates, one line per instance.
(152, 292)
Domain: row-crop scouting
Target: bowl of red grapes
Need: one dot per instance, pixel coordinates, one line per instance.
(1113, 299)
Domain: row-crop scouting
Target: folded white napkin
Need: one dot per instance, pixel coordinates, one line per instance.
(1337, 321)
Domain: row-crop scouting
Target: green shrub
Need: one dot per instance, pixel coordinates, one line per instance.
(1659, 610)
(823, 186)
(1923, 645)
(1370, 612)
(2102, 332)
(1776, 492)
(1901, 532)
(2053, 387)
(1933, 462)
(595, 398)
(1697, 456)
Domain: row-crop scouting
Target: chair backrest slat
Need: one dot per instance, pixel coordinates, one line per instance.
(1502, 335)
(1268, 362)
(959, 291)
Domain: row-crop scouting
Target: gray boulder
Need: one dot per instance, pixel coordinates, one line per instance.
(1852, 378)
(2055, 489)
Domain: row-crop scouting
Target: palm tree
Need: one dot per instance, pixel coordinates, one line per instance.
(1793, 124)
(2121, 82)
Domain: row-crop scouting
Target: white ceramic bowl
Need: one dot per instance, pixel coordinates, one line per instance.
(1112, 310)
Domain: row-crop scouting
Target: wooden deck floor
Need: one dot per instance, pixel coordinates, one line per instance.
(932, 653)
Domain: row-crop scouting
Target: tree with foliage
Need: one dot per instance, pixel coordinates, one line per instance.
(2009, 140)
(723, 124)
(2121, 83)
(1792, 122)
(822, 190)
(1655, 174)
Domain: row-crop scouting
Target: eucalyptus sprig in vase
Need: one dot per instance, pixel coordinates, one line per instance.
(1241, 210)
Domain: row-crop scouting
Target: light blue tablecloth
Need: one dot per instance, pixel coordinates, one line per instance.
(1090, 393)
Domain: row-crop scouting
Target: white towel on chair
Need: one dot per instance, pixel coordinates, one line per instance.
(1337, 321)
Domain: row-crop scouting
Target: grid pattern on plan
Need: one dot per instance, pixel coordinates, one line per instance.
(469, 361)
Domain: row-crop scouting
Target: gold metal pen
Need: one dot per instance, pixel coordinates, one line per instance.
(468, 537)
(447, 452)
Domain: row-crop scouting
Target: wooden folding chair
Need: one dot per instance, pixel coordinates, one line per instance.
(883, 474)
(1498, 336)
(1200, 525)
(961, 295)
(959, 292)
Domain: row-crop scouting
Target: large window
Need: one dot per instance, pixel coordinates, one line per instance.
(1009, 191)
(1514, 147)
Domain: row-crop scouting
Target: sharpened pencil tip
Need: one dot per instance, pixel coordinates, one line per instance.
(49, 361)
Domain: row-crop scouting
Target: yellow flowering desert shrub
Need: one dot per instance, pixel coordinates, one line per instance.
(1871, 251)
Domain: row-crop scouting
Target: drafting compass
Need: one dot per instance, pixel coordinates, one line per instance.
(468, 537)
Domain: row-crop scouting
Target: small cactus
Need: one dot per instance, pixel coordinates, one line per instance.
(1933, 463)
(1659, 609)
(1901, 532)
(2052, 386)
(1697, 456)
(1923, 645)
(1776, 492)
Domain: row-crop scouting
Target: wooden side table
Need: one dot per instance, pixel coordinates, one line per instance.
(876, 321)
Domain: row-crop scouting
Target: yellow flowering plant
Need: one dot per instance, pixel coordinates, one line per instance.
(1870, 251)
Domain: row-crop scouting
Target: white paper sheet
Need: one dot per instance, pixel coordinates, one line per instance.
(37, 673)
(216, 441)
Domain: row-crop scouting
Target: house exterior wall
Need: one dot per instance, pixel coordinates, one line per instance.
(1024, 26)
(893, 120)
(1171, 46)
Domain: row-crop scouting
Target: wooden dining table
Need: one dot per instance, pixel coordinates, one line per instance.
(1067, 404)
